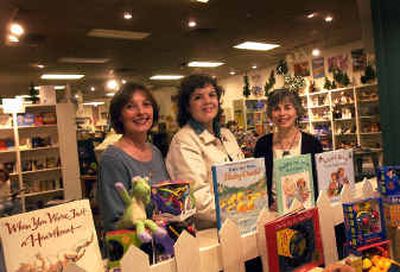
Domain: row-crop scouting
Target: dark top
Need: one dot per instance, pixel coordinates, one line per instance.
(263, 149)
(118, 166)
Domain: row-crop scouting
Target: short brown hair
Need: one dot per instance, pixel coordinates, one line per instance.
(280, 95)
(122, 97)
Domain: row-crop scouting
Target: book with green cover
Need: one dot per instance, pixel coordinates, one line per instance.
(293, 179)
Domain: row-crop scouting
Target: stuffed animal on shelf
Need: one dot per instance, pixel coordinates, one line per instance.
(135, 211)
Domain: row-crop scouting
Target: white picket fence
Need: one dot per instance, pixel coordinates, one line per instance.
(228, 253)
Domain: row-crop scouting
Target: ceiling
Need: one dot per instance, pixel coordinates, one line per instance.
(56, 29)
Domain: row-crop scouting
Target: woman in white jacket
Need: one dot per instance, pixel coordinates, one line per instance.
(200, 142)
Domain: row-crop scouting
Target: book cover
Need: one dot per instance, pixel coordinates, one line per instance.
(49, 239)
(240, 190)
(294, 241)
(294, 183)
(334, 170)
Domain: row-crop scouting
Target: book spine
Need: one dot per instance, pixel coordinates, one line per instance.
(217, 206)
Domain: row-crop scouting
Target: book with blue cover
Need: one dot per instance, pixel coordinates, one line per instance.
(293, 179)
(240, 190)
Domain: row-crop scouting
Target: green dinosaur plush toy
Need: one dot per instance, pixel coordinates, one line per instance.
(135, 211)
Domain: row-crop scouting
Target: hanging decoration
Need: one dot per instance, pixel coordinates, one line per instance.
(341, 77)
(282, 68)
(294, 83)
(269, 84)
(369, 74)
(246, 87)
(33, 93)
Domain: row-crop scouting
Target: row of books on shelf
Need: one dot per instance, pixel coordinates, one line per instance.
(29, 119)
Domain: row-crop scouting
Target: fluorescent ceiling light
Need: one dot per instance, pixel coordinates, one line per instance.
(61, 76)
(256, 46)
(202, 1)
(117, 34)
(166, 77)
(205, 64)
(84, 60)
(57, 87)
(110, 94)
(23, 96)
(94, 103)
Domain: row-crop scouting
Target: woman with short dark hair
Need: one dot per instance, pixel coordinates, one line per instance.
(284, 109)
(200, 142)
(133, 112)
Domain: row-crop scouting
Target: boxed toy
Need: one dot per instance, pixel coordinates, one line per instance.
(364, 222)
(174, 207)
(388, 180)
(294, 241)
(391, 207)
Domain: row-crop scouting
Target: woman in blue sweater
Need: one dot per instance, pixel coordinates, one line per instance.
(133, 112)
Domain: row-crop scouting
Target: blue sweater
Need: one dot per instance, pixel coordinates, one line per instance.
(118, 166)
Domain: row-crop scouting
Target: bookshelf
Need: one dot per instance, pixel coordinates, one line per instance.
(39, 149)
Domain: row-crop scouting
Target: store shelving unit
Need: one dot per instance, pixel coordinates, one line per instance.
(48, 170)
(344, 117)
(340, 118)
(250, 114)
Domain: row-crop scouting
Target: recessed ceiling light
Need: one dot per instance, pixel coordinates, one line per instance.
(128, 15)
(192, 23)
(328, 19)
(40, 66)
(205, 64)
(311, 15)
(254, 67)
(110, 94)
(61, 76)
(92, 89)
(84, 60)
(13, 39)
(112, 84)
(16, 29)
(57, 87)
(232, 73)
(166, 77)
(256, 46)
(117, 34)
(202, 1)
(315, 52)
(76, 96)
(123, 81)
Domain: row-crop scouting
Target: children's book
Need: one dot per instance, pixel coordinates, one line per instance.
(294, 241)
(294, 183)
(49, 239)
(335, 169)
(240, 190)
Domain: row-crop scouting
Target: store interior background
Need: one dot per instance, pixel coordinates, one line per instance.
(158, 39)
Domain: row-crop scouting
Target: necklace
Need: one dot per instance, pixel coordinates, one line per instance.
(286, 151)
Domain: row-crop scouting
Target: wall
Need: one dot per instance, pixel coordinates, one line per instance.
(233, 85)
